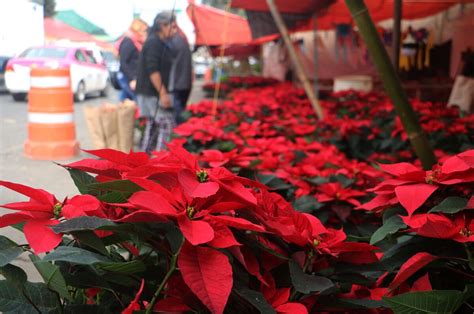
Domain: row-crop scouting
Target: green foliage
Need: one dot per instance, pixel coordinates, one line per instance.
(429, 302)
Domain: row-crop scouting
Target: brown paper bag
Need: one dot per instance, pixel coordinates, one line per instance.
(108, 119)
(126, 123)
(94, 125)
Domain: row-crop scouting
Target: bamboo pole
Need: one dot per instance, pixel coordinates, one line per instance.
(397, 21)
(392, 83)
(294, 58)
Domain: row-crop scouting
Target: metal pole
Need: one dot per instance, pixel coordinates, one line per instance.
(392, 83)
(397, 21)
(294, 58)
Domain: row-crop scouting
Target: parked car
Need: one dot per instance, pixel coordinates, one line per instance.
(200, 68)
(113, 65)
(88, 75)
(3, 63)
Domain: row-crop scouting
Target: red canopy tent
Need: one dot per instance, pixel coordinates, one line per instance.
(216, 27)
(337, 13)
(57, 30)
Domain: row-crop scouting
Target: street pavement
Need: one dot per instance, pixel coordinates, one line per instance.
(16, 167)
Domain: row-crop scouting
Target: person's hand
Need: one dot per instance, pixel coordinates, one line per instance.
(133, 84)
(165, 100)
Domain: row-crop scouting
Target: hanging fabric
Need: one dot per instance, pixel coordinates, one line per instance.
(344, 41)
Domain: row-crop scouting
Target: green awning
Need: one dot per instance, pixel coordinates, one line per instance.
(73, 19)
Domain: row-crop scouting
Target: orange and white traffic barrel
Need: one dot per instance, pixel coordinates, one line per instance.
(51, 127)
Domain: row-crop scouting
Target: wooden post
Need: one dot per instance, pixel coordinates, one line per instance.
(294, 58)
(315, 56)
(397, 21)
(392, 83)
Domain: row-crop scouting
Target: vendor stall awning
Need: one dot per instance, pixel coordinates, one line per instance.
(284, 6)
(331, 13)
(57, 30)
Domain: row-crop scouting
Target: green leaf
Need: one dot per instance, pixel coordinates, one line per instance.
(362, 303)
(308, 283)
(75, 255)
(273, 182)
(83, 308)
(226, 146)
(14, 275)
(343, 180)
(122, 186)
(81, 180)
(436, 301)
(450, 205)
(256, 299)
(9, 250)
(13, 302)
(124, 268)
(113, 197)
(307, 204)
(52, 276)
(90, 239)
(81, 223)
(390, 226)
(174, 236)
(318, 180)
(299, 156)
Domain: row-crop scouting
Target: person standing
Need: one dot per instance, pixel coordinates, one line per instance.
(129, 51)
(181, 76)
(154, 67)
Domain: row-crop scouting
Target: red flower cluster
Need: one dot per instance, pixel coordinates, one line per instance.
(415, 189)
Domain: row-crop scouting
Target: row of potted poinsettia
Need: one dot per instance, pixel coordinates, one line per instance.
(179, 232)
(273, 131)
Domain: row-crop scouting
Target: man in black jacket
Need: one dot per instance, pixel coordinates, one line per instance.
(153, 74)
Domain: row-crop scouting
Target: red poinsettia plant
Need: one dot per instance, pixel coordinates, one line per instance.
(165, 234)
(273, 212)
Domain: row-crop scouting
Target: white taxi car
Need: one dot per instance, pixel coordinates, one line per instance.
(88, 75)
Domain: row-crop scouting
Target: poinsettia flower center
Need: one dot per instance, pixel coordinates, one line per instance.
(57, 210)
(466, 232)
(202, 175)
(432, 177)
(190, 211)
(316, 242)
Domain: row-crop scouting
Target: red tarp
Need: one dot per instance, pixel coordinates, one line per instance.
(338, 13)
(380, 10)
(216, 27)
(56, 30)
(284, 6)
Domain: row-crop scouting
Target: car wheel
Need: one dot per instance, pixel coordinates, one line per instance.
(19, 96)
(80, 95)
(106, 91)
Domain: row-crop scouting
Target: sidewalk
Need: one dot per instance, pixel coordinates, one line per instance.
(15, 167)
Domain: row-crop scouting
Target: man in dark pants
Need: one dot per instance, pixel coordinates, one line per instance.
(181, 75)
(153, 73)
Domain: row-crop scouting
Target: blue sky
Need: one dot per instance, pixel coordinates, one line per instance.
(114, 16)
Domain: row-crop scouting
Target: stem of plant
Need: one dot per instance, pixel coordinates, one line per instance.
(171, 270)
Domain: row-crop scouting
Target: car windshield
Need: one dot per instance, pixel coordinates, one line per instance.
(108, 56)
(56, 53)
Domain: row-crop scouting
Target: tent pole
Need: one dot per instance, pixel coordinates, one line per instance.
(392, 83)
(294, 58)
(397, 21)
(315, 56)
